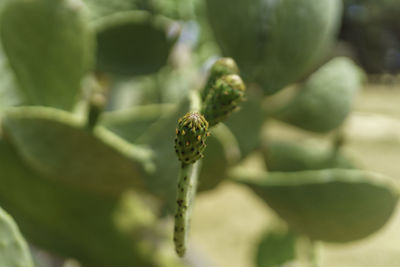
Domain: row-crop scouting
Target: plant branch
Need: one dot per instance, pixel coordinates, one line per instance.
(186, 191)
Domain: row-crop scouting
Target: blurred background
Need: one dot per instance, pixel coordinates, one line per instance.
(90, 93)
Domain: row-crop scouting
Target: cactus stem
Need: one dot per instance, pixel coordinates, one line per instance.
(189, 146)
(187, 185)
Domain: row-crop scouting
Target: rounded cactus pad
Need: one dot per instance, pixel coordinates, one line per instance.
(225, 96)
(221, 67)
(191, 134)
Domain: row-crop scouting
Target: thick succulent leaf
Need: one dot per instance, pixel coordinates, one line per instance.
(274, 42)
(133, 43)
(14, 250)
(175, 9)
(132, 123)
(246, 124)
(71, 222)
(8, 88)
(276, 248)
(332, 205)
(215, 164)
(56, 144)
(326, 98)
(281, 156)
(49, 46)
(101, 8)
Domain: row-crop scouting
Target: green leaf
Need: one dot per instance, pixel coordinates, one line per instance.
(281, 156)
(133, 43)
(275, 43)
(276, 248)
(56, 144)
(13, 249)
(74, 223)
(326, 98)
(49, 47)
(333, 205)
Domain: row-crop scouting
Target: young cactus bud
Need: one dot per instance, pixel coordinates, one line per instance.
(221, 67)
(191, 134)
(227, 93)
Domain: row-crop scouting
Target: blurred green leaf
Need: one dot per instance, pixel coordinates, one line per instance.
(71, 222)
(276, 248)
(284, 156)
(49, 47)
(274, 43)
(133, 43)
(326, 98)
(13, 249)
(56, 144)
(333, 205)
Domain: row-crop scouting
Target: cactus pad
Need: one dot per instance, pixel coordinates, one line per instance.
(120, 50)
(225, 96)
(331, 205)
(14, 251)
(221, 67)
(266, 31)
(60, 31)
(326, 98)
(191, 134)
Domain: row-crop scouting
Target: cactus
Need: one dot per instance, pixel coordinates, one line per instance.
(366, 201)
(187, 184)
(130, 124)
(326, 98)
(8, 94)
(13, 248)
(73, 222)
(276, 247)
(221, 67)
(65, 49)
(86, 132)
(119, 50)
(281, 156)
(191, 134)
(223, 99)
(123, 163)
(274, 43)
